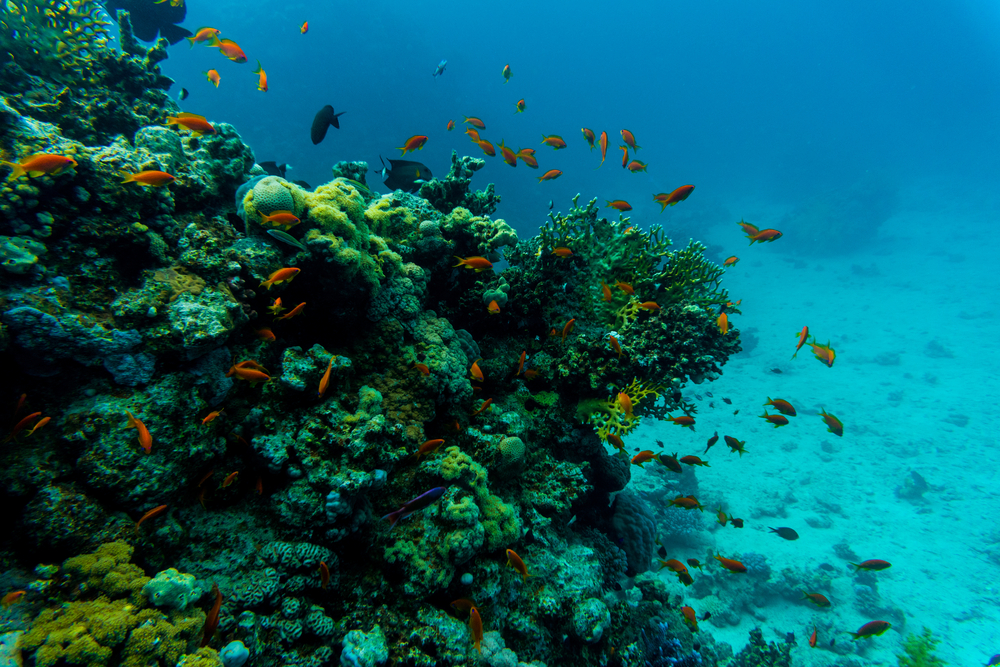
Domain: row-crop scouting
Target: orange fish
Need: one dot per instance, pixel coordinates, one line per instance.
(156, 511)
(463, 605)
(616, 442)
(678, 195)
(624, 156)
(297, 310)
(477, 373)
(280, 276)
(732, 565)
(230, 478)
(513, 560)
(748, 229)
(872, 565)
(644, 456)
(550, 175)
(506, 73)
(723, 323)
(229, 49)
(428, 447)
(451, 125)
(824, 353)
(414, 143)
(259, 486)
(765, 236)
(670, 462)
(777, 420)
(303, 30)
(527, 151)
(324, 575)
(812, 638)
(261, 78)
(484, 407)
(692, 460)
(603, 143)
(619, 205)
(210, 417)
(803, 336)
(673, 565)
(520, 363)
(251, 375)
(423, 369)
(212, 619)
(588, 134)
(152, 178)
(285, 219)
(479, 264)
(192, 121)
(276, 307)
(528, 158)
(615, 345)
(687, 503)
(493, 308)
(651, 306)
(554, 140)
(473, 135)
(690, 618)
(21, 425)
(731, 261)
(531, 374)
(324, 382)
(475, 122)
(563, 252)
(711, 441)
(568, 327)
(683, 421)
(636, 165)
(520, 105)
(455, 426)
(871, 629)
(736, 445)
(508, 155)
(37, 165)
(629, 139)
(476, 628)
(625, 402)
(817, 599)
(721, 518)
(42, 422)
(487, 147)
(145, 439)
(625, 287)
(782, 406)
(605, 292)
(203, 35)
(213, 76)
(265, 335)
(833, 424)
(206, 477)
(10, 599)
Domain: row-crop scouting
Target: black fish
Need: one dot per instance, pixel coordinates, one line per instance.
(149, 18)
(273, 168)
(404, 175)
(323, 120)
(183, 95)
(786, 533)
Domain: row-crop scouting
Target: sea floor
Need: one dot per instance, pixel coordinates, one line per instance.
(911, 318)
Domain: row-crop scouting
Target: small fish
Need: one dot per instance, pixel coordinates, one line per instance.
(506, 73)
(736, 445)
(833, 424)
(322, 121)
(803, 336)
(493, 308)
(212, 619)
(261, 78)
(425, 499)
(873, 565)
(414, 143)
(723, 323)
(673, 565)
(145, 439)
(782, 406)
(690, 618)
(567, 328)
(513, 560)
(182, 95)
(285, 275)
(817, 599)
(636, 166)
(324, 382)
(285, 219)
(528, 158)
(428, 447)
(551, 204)
(519, 105)
(477, 373)
(711, 441)
(721, 518)
(463, 605)
(258, 487)
(670, 462)
(276, 307)
(508, 155)
(230, 479)
(228, 48)
(687, 503)
(588, 134)
(615, 345)
(206, 477)
(41, 422)
(765, 236)
(155, 512)
(475, 122)
(151, 178)
(693, 460)
(625, 287)
(303, 30)
(644, 456)
(629, 139)
(285, 237)
(786, 533)
(531, 374)
(694, 562)
(21, 425)
(11, 599)
(680, 194)
(812, 639)
(824, 353)
(520, 363)
(251, 374)
(550, 175)
(616, 442)
(625, 403)
(732, 565)
(737, 523)
(203, 35)
(624, 156)
(440, 68)
(451, 125)
(683, 421)
(603, 143)
(324, 575)
(476, 628)
(211, 416)
(192, 121)
(731, 261)
(562, 252)
(871, 629)
(619, 205)
(487, 147)
(484, 407)
(297, 310)
(777, 420)
(747, 228)
(423, 369)
(554, 140)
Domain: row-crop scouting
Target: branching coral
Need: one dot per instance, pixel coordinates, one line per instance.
(689, 278)
(610, 417)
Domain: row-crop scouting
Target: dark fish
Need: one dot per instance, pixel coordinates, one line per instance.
(726, 401)
(149, 18)
(322, 121)
(285, 237)
(273, 168)
(551, 204)
(425, 499)
(183, 95)
(786, 533)
(303, 184)
(662, 551)
(440, 68)
(404, 175)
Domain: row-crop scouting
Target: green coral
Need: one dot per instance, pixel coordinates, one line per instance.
(687, 277)
(918, 651)
(109, 571)
(54, 38)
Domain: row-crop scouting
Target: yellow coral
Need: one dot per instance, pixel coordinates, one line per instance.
(501, 522)
(608, 415)
(388, 220)
(459, 466)
(108, 570)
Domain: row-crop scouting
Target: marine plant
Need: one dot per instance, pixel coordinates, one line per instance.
(918, 650)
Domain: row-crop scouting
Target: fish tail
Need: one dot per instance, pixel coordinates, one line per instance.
(16, 170)
(394, 517)
(132, 423)
(257, 71)
(191, 39)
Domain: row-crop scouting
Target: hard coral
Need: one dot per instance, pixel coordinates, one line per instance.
(453, 192)
(54, 38)
(109, 571)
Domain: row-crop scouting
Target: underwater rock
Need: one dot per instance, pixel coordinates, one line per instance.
(164, 145)
(634, 527)
(10, 652)
(454, 191)
(355, 171)
(19, 255)
(60, 518)
(364, 649)
(203, 322)
(591, 618)
(170, 588)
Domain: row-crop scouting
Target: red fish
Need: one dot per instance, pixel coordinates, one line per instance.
(625, 402)
(230, 478)
(690, 618)
(229, 49)
(476, 628)
(711, 441)
(721, 518)
(324, 382)
(629, 139)
(812, 638)
(777, 420)
(588, 134)
(473, 134)
(872, 565)
(684, 421)
(414, 143)
(732, 565)
(765, 236)
(603, 143)
(554, 140)
(508, 155)
(265, 335)
(824, 353)
(513, 560)
(8, 601)
(803, 336)
(651, 306)
(145, 439)
(680, 194)
(736, 445)
(817, 599)
(748, 229)
(155, 512)
(484, 407)
(871, 629)
(568, 327)
(528, 158)
(625, 287)
(202, 35)
(833, 424)
(41, 422)
(324, 575)
(619, 205)
(731, 261)
(550, 175)
(479, 264)
(463, 605)
(21, 425)
(192, 121)
(487, 147)
(687, 503)
(605, 292)
(261, 78)
(212, 619)
(615, 345)
(213, 76)
(423, 369)
(506, 73)
(152, 178)
(782, 406)
(636, 165)
(616, 442)
(520, 363)
(451, 125)
(211, 417)
(692, 460)
(670, 462)
(519, 105)
(475, 122)
(429, 447)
